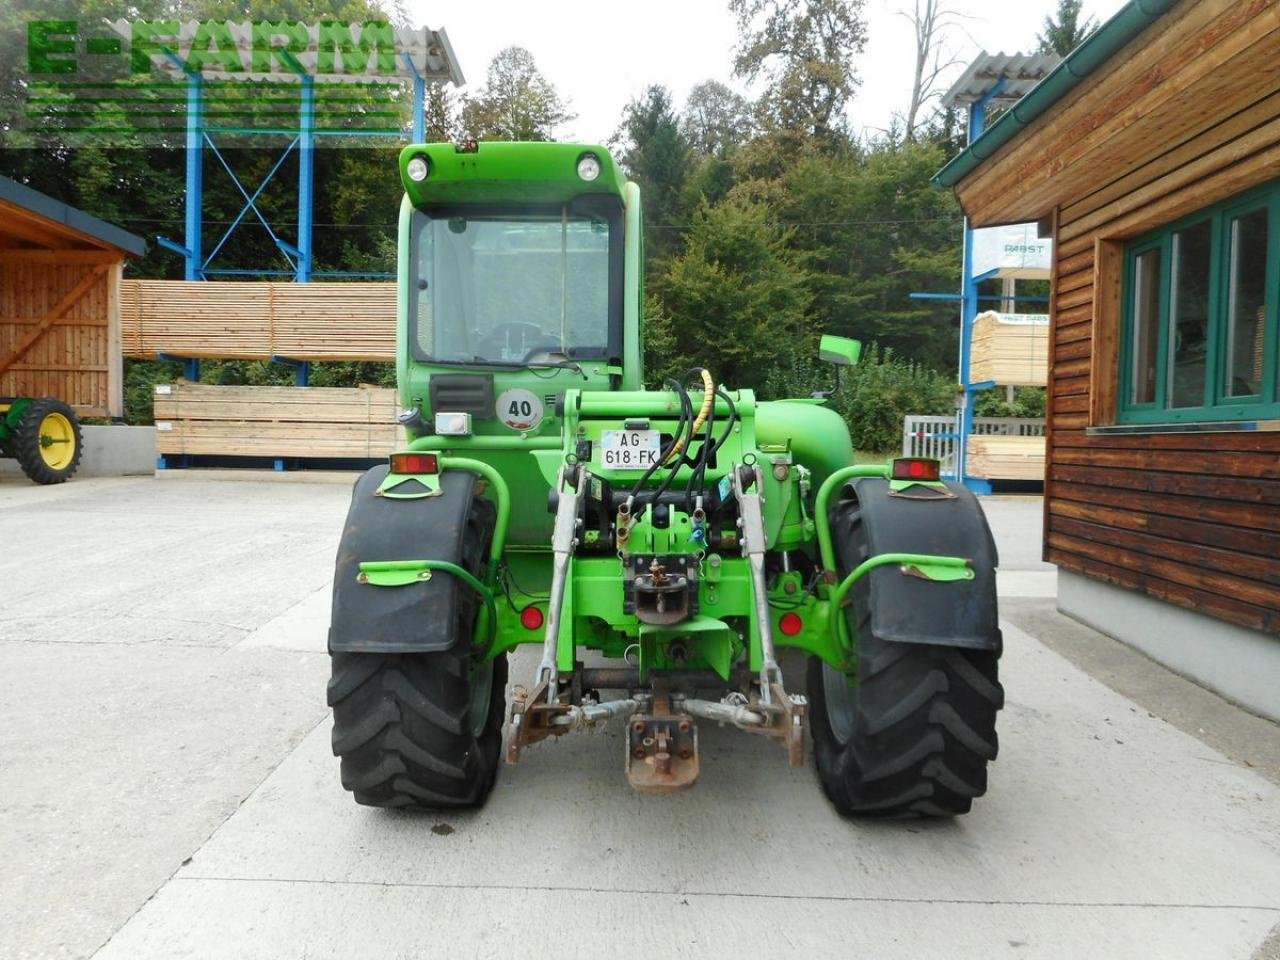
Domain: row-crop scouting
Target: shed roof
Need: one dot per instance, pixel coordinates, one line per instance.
(63, 222)
(1019, 71)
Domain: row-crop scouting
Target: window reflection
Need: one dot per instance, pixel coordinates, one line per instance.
(1189, 315)
(1246, 305)
(1146, 326)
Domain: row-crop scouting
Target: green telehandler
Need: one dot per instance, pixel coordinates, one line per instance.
(662, 548)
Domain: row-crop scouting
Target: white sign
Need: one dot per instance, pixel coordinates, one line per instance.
(519, 409)
(1014, 252)
(1026, 319)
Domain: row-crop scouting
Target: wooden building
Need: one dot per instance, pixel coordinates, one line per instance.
(60, 276)
(1151, 155)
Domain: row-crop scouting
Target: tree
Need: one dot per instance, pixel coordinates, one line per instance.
(734, 298)
(1064, 34)
(516, 102)
(931, 22)
(656, 156)
(441, 114)
(715, 119)
(804, 49)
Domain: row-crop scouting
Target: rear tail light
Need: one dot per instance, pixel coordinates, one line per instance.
(917, 468)
(415, 463)
(531, 618)
(790, 624)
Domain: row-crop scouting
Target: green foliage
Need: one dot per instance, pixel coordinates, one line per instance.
(140, 379)
(1027, 402)
(657, 156)
(873, 396)
(735, 296)
(1066, 31)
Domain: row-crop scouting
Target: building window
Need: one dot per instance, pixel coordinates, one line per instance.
(1200, 316)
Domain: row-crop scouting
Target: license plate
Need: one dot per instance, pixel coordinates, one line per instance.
(629, 449)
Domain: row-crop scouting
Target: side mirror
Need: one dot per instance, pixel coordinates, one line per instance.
(841, 351)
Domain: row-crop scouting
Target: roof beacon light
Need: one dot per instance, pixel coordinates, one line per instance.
(406, 463)
(417, 168)
(917, 468)
(588, 167)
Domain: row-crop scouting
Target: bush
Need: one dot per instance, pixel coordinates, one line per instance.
(874, 396)
(1027, 402)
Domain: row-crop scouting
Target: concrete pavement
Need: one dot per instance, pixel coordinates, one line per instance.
(144, 725)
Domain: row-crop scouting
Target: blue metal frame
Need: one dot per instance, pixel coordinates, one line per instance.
(197, 265)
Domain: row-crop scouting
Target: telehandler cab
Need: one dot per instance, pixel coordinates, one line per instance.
(684, 536)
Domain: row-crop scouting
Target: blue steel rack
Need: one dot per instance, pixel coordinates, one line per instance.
(302, 140)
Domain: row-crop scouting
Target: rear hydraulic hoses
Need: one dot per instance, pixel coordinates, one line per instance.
(687, 406)
(728, 430)
(708, 404)
(686, 414)
(687, 428)
(699, 471)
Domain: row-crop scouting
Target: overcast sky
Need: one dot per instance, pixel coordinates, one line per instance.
(600, 55)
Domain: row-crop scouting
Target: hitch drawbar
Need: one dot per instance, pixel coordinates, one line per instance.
(661, 737)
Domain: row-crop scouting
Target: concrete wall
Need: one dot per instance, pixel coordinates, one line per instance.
(109, 452)
(1242, 665)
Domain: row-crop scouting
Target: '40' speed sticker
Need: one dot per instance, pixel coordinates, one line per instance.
(519, 409)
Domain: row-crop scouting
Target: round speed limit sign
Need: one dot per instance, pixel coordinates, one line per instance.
(519, 409)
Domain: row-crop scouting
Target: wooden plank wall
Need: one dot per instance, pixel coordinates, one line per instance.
(1190, 518)
(257, 321)
(202, 419)
(72, 359)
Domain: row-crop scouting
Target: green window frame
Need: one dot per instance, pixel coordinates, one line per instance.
(1200, 337)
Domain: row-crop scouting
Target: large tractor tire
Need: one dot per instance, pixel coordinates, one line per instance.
(423, 729)
(47, 442)
(911, 733)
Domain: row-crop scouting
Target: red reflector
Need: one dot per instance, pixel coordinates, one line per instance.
(916, 468)
(415, 463)
(531, 618)
(791, 624)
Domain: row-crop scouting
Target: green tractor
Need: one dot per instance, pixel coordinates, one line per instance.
(661, 546)
(43, 435)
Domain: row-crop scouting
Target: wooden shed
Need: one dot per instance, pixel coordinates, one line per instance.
(60, 276)
(1151, 155)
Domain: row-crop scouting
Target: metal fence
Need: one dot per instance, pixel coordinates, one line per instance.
(935, 437)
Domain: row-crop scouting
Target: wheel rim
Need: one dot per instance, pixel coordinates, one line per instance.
(57, 441)
(841, 698)
(481, 696)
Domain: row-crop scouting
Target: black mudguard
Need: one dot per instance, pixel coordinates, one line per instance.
(909, 609)
(417, 617)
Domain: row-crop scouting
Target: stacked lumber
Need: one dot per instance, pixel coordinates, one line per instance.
(1005, 458)
(1010, 349)
(258, 321)
(204, 420)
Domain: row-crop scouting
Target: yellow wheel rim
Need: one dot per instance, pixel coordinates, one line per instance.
(57, 441)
